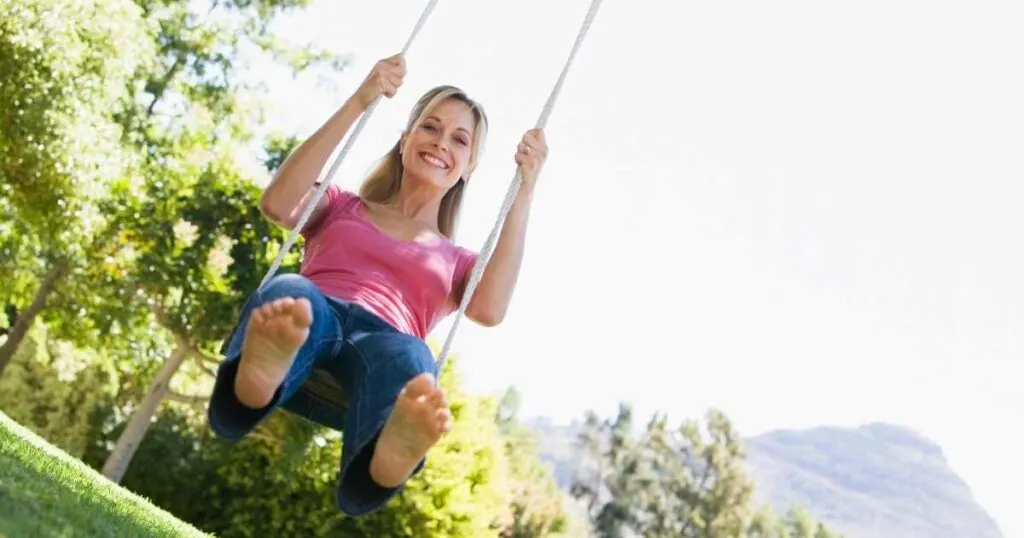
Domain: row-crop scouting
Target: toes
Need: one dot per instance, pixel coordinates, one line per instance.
(299, 309)
(304, 311)
(283, 304)
(419, 386)
(268, 311)
(444, 421)
(439, 399)
(259, 315)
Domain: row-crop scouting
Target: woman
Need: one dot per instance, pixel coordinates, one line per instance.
(379, 271)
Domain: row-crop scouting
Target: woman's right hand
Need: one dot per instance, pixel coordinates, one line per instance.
(384, 79)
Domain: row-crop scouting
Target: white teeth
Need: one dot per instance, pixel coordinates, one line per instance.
(434, 161)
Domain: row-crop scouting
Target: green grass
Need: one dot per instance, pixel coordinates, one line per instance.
(46, 492)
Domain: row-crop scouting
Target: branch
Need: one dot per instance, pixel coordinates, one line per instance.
(162, 86)
(187, 399)
(700, 488)
(204, 361)
(164, 320)
(160, 314)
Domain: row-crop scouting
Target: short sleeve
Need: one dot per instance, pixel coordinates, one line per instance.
(463, 269)
(337, 199)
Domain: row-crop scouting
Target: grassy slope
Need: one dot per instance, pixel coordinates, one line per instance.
(46, 492)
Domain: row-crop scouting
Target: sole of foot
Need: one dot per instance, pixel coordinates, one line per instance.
(275, 332)
(419, 419)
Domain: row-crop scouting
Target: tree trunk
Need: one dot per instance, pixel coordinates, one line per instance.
(117, 463)
(25, 318)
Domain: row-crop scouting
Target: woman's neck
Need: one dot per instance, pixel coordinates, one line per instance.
(419, 202)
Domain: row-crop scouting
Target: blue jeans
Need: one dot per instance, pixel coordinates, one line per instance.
(367, 356)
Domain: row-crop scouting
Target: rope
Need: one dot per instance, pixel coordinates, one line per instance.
(513, 189)
(323, 184)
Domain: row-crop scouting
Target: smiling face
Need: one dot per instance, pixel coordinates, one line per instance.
(441, 146)
(439, 149)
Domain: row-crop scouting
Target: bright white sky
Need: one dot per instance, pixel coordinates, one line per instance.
(802, 213)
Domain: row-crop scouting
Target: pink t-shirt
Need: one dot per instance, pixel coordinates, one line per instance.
(410, 285)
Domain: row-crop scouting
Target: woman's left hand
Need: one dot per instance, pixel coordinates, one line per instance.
(530, 156)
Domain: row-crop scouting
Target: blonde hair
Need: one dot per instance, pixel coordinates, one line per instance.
(383, 183)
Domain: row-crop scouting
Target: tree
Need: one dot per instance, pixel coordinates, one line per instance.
(669, 482)
(797, 523)
(608, 479)
(198, 254)
(83, 122)
(463, 489)
(536, 507)
(717, 495)
(193, 244)
(43, 390)
(59, 142)
(281, 480)
(508, 409)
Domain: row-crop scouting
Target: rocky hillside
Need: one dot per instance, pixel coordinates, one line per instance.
(876, 481)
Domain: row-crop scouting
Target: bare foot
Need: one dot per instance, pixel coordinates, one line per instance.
(275, 332)
(418, 420)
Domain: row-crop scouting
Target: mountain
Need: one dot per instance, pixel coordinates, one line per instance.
(874, 481)
(878, 481)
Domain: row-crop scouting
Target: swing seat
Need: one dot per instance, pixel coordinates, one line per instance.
(322, 386)
(320, 400)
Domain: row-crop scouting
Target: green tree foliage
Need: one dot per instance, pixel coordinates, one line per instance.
(797, 523)
(129, 226)
(174, 245)
(65, 65)
(18, 254)
(537, 506)
(58, 85)
(462, 490)
(194, 243)
(197, 254)
(667, 482)
(43, 391)
(118, 107)
(277, 148)
(282, 479)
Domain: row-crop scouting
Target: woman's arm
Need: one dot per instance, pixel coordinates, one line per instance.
(493, 294)
(285, 198)
(494, 291)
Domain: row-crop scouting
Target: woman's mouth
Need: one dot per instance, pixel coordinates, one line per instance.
(433, 161)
